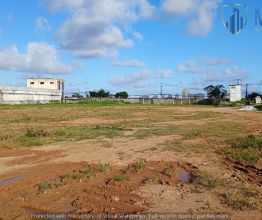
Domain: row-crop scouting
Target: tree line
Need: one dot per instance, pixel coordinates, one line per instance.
(101, 94)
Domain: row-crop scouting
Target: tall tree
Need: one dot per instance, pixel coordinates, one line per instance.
(217, 92)
(253, 95)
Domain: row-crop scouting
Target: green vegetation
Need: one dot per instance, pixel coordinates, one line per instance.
(122, 95)
(205, 180)
(139, 165)
(103, 168)
(30, 133)
(87, 173)
(217, 92)
(237, 202)
(259, 107)
(42, 187)
(169, 170)
(247, 150)
(120, 178)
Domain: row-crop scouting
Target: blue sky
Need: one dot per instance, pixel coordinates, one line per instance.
(131, 45)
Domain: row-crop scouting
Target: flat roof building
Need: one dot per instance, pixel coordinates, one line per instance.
(47, 83)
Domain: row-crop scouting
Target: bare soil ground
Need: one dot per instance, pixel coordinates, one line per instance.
(128, 159)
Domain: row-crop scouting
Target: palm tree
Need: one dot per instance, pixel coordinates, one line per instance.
(216, 92)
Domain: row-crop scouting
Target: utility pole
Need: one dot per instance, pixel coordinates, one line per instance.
(246, 91)
(161, 90)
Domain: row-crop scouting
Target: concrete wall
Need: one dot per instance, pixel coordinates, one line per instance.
(142, 100)
(22, 95)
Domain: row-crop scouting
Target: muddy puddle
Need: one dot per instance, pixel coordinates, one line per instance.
(11, 180)
(91, 188)
(186, 177)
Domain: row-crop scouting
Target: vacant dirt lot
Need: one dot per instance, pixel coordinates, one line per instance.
(129, 159)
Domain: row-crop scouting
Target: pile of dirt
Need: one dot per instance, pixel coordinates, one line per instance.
(89, 188)
(249, 108)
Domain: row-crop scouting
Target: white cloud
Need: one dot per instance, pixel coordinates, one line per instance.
(55, 5)
(201, 14)
(42, 24)
(95, 28)
(128, 63)
(204, 74)
(123, 8)
(205, 17)
(176, 8)
(140, 78)
(40, 57)
(216, 61)
(191, 66)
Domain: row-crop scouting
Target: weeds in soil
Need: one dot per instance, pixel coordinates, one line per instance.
(247, 150)
(236, 202)
(43, 187)
(205, 180)
(169, 170)
(139, 165)
(87, 173)
(103, 168)
(120, 178)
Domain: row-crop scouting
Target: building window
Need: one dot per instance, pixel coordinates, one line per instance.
(32, 83)
(42, 83)
(52, 83)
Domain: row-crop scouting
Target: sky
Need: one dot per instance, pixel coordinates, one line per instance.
(127, 45)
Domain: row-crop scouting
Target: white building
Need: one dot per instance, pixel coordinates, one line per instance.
(24, 95)
(47, 83)
(235, 93)
(37, 91)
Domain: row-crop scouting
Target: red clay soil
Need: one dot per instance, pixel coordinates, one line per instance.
(249, 172)
(88, 188)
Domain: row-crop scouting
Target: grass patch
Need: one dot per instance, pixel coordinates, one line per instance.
(247, 150)
(169, 170)
(30, 133)
(237, 202)
(120, 178)
(103, 168)
(180, 146)
(205, 180)
(87, 173)
(139, 165)
(85, 132)
(43, 187)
